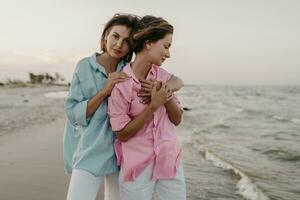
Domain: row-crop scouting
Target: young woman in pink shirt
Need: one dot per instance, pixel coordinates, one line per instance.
(147, 148)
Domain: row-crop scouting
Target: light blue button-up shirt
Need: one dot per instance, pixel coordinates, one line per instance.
(88, 142)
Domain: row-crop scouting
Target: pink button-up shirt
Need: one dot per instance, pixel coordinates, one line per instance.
(155, 142)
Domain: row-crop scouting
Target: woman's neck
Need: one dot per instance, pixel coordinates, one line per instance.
(141, 66)
(108, 62)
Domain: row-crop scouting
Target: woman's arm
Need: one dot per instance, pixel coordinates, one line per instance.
(158, 98)
(95, 101)
(174, 84)
(174, 112)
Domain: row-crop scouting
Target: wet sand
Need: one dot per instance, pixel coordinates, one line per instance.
(31, 132)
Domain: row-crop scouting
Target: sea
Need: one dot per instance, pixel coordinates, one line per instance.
(241, 142)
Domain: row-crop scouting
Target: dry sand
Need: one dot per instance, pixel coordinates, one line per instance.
(31, 132)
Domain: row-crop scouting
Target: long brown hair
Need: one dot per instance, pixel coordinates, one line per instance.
(128, 20)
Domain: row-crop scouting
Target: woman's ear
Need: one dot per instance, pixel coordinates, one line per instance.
(105, 40)
(106, 35)
(148, 45)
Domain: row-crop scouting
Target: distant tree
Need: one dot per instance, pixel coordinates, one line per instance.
(45, 78)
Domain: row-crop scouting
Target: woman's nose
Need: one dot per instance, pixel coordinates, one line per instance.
(168, 55)
(119, 43)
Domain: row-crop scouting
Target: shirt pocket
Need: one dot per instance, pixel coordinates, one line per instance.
(136, 107)
(88, 88)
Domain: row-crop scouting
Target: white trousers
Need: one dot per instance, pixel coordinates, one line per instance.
(143, 187)
(84, 186)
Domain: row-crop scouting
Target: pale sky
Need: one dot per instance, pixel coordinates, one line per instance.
(215, 41)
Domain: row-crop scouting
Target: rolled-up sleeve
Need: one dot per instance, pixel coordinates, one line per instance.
(177, 101)
(76, 104)
(118, 108)
(165, 76)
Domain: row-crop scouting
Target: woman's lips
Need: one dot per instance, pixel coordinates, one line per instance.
(117, 51)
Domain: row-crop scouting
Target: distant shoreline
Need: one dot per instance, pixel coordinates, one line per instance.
(36, 78)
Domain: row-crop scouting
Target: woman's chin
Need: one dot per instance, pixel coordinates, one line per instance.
(116, 55)
(158, 63)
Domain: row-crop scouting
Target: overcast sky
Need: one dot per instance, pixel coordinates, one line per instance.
(215, 41)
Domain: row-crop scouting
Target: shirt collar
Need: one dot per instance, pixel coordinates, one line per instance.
(152, 73)
(97, 67)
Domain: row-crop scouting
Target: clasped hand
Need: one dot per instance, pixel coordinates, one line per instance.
(156, 92)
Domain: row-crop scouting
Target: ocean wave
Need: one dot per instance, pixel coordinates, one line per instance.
(238, 110)
(253, 112)
(222, 126)
(279, 118)
(295, 120)
(245, 186)
(282, 155)
(197, 131)
(283, 119)
(221, 105)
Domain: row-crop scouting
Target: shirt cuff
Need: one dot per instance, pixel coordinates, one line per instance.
(119, 123)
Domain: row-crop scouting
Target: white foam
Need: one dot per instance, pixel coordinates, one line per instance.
(245, 186)
(57, 95)
(239, 110)
(222, 106)
(227, 107)
(295, 120)
(278, 117)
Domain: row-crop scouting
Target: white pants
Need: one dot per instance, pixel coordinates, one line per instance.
(84, 186)
(143, 186)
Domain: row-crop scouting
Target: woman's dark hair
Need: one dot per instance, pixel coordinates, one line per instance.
(151, 29)
(128, 20)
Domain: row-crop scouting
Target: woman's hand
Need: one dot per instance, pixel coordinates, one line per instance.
(112, 80)
(146, 89)
(161, 96)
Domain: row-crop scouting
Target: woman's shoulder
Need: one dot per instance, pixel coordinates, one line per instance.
(163, 74)
(82, 65)
(83, 72)
(122, 90)
(124, 86)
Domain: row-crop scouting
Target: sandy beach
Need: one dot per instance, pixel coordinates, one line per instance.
(31, 130)
(31, 163)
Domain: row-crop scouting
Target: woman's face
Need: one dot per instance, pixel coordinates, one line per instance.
(159, 51)
(117, 41)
